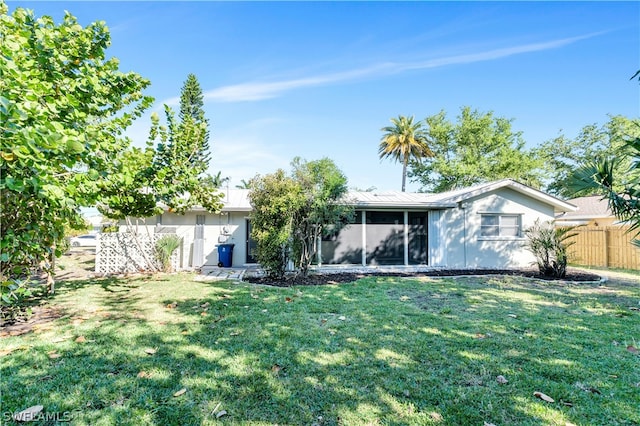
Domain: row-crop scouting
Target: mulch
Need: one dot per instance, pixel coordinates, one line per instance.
(326, 278)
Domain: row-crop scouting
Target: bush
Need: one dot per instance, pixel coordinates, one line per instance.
(165, 247)
(549, 245)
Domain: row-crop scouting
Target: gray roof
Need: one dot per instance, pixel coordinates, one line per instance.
(238, 199)
(591, 207)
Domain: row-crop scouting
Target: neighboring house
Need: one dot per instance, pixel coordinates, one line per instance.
(592, 211)
(476, 227)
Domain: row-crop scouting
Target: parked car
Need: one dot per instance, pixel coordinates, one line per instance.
(88, 240)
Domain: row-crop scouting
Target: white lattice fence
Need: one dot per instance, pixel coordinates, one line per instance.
(119, 252)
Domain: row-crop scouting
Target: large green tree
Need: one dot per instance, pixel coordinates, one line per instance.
(64, 106)
(405, 140)
(561, 156)
(171, 170)
(322, 207)
(290, 213)
(479, 147)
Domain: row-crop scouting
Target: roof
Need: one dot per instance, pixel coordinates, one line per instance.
(591, 207)
(238, 199)
(459, 195)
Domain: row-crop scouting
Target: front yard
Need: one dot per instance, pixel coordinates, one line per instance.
(169, 350)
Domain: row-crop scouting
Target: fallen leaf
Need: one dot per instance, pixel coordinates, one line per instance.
(143, 375)
(235, 333)
(489, 424)
(632, 349)
(342, 318)
(275, 369)
(53, 355)
(80, 339)
(512, 315)
(172, 305)
(180, 392)
(481, 336)
(204, 314)
(221, 413)
(543, 397)
(254, 296)
(28, 414)
(184, 332)
(205, 305)
(149, 351)
(567, 403)
(288, 299)
(502, 380)
(60, 339)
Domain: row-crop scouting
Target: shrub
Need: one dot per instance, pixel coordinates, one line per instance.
(549, 245)
(165, 247)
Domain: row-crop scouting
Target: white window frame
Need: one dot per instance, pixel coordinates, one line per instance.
(501, 235)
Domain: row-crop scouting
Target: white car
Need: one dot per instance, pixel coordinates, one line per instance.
(88, 240)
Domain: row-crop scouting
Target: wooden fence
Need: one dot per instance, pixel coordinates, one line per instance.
(604, 246)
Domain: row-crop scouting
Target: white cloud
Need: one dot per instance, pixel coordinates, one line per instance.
(255, 91)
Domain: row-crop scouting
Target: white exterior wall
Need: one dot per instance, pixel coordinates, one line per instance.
(184, 226)
(465, 248)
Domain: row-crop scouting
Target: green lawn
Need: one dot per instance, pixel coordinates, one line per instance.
(377, 351)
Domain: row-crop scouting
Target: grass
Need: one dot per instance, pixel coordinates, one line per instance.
(377, 351)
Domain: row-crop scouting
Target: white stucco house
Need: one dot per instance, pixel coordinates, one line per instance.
(476, 227)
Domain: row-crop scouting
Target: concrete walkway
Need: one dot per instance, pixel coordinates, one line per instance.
(213, 273)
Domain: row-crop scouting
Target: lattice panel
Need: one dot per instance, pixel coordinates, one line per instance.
(122, 252)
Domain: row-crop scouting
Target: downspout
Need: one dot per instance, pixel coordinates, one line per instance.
(464, 227)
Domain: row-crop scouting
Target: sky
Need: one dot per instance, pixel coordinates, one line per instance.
(321, 79)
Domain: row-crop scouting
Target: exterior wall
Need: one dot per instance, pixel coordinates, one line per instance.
(213, 232)
(466, 248)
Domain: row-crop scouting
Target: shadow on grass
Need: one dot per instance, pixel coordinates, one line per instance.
(375, 351)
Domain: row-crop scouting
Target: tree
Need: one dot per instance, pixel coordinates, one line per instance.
(404, 141)
(192, 105)
(621, 187)
(171, 170)
(561, 156)
(322, 207)
(243, 184)
(476, 149)
(63, 109)
(291, 212)
(273, 198)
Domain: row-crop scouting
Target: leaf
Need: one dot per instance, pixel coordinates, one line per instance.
(143, 375)
(53, 355)
(275, 369)
(632, 349)
(28, 414)
(80, 339)
(149, 351)
(221, 413)
(502, 380)
(342, 318)
(172, 305)
(180, 392)
(288, 299)
(543, 397)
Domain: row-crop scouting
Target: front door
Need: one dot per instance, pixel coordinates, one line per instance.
(251, 245)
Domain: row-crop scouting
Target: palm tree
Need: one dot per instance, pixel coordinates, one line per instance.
(403, 141)
(243, 184)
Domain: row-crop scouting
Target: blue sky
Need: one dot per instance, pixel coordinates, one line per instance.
(321, 79)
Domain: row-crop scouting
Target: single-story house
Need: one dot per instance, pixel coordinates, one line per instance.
(476, 227)
(592, 210)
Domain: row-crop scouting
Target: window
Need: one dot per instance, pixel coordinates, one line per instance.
(500, 225)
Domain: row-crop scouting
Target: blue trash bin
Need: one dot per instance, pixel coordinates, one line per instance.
(225, 255)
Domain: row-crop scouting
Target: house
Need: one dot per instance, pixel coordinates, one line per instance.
(476, 227)
(592, 210)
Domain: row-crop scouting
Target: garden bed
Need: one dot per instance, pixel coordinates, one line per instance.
(324, 278)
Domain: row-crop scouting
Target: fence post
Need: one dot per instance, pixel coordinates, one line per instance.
(605, 231)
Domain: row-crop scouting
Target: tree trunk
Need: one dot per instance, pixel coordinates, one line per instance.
(404, 174)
